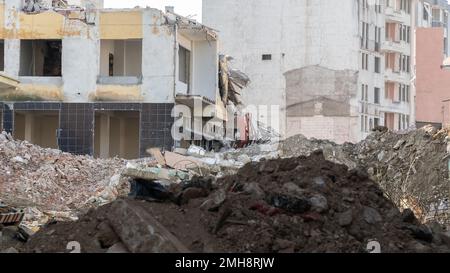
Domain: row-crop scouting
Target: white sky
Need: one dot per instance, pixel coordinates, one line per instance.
(182, 7)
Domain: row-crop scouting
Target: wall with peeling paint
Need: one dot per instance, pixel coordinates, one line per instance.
(81, 56)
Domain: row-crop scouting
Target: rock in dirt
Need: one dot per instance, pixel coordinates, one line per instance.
(319, 203)
(371, 215)
(345, 218)
(140, 232)
(408, 216)
(10, 250)
(118, 248)
(255, 190)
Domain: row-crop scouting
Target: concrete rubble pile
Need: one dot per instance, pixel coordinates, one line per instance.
(36, 6)
(303, 204)
(412, 169)
(85, 14)
(48, 183)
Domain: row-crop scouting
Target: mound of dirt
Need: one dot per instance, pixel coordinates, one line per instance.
(411, 167)
(304, 204)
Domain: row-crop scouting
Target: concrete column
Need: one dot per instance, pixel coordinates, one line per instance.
(105, 125)
(12, 57)
(29, 120)
(12, 46)
(122, 138)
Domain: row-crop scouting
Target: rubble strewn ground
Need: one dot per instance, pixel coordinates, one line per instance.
(51, 184)
(281, 197)
(303, 204)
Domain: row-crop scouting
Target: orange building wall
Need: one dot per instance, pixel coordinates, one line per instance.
(432, 82)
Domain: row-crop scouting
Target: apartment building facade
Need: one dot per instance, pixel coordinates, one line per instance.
(101, 82)
(336, 68)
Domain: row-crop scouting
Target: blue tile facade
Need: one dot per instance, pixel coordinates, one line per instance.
(156, 126)
(76, 128)
(8, 118)
(77, 123)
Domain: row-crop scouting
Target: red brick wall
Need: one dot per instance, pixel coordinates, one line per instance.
(432, 82)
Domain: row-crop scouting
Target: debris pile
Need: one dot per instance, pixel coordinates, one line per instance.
(299, 195)
(304, 204)
(411, 168)
(85, 13)
(50, 184)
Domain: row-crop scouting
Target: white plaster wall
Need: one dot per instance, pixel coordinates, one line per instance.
(158, 67)
(340, 129)
(12, 57)
(82, 63)
(133, 58)
(12, 46)
(80, 67)
(205, 68)
(297, 34)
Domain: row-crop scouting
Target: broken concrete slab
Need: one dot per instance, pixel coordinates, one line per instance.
(118, 248)
(156, 153)
(140, 232)
(154, 173)
(181, 162)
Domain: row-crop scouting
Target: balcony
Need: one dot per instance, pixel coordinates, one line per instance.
(438, 24)
(395, 16)
(370, 45)
(396, 76)
(393, 47)
(395, 106)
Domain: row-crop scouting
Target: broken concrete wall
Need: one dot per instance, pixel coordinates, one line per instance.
(205, 67)
(319, 103)
(145, 31)
(313, 85)
(337, 129)
(158, 68)
(297, 34)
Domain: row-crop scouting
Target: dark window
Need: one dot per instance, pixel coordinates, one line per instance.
(184, 56)
(2, 55)
(40, 58)
(267, 57)
(408, 64)
(376, 122)
(376, 97)
(111, 64)
(377, 64)
(425, 13)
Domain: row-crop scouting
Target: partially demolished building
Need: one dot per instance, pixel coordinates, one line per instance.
(102, 82)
